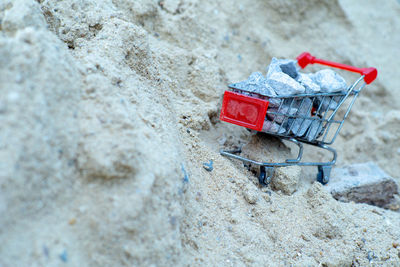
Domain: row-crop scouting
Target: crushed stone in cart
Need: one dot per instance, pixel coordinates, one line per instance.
(287, 114)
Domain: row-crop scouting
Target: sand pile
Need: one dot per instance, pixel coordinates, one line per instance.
(108, 110)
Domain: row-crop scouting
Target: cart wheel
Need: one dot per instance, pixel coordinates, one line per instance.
(261, 177)
(265, 176)
(324, 173)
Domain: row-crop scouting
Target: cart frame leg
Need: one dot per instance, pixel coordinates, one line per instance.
(267, 168)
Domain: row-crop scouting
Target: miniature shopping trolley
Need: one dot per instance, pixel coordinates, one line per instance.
(319, 123)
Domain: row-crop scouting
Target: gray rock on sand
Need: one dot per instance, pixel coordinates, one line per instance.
(329, 81)
(363, 183)
(283, 84)
(308, 83)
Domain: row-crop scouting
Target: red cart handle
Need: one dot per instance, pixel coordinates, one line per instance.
(306, 58)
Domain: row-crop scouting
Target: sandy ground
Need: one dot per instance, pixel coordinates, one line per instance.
(108, 109)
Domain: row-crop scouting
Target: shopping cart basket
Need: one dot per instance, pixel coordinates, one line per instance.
(311, 119)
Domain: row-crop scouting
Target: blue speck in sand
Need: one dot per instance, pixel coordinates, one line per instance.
(46, 251)
(64, 256)
(185, 175)
(370, 256)
(208, 166)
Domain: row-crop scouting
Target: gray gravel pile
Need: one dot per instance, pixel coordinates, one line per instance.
(284, 79)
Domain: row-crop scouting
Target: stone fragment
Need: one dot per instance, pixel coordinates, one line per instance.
(272, 127)
(327, 103)
(304, 106)
(286, 179)
(314, 130)
(300, 125)
(274, 102)
(273, 67)
(329, 81)
(287, 66)
(363, 183)
(308, 83)
(286, 110)
(256, 83)
(283, 84)
(256, 78)
(266, 90)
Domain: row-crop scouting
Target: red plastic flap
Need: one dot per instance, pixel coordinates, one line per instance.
(243, 110)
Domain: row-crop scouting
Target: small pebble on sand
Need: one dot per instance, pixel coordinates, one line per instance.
(250, 194)
(208, 166)
(72, 221)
